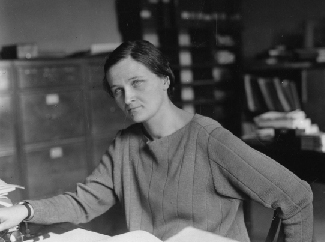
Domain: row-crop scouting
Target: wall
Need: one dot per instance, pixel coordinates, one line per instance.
(60, 25)
(265, 20)
(73, 25)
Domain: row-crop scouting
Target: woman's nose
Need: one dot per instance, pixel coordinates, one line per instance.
(129, 96)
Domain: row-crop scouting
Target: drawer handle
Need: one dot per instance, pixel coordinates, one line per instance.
(30, 71)
(3, 73)
(56, 152)
(52, 99)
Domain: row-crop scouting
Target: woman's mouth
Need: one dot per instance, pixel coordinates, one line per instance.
(133, 109)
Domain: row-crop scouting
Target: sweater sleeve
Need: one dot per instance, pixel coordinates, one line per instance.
(242, 172)
(90, 199)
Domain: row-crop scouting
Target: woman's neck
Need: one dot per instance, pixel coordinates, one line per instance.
(167, 123)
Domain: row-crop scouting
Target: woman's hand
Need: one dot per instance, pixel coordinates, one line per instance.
(12, 216)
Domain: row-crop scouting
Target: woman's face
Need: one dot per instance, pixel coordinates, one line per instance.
(138, 92)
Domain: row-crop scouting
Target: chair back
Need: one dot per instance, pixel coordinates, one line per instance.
(274, 234)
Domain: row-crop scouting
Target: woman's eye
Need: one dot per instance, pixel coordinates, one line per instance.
(136, 83)
(117, 92)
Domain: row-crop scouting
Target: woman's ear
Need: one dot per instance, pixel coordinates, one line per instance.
(166, 82)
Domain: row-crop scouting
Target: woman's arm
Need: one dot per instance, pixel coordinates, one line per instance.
(90, 199)
(242, 172)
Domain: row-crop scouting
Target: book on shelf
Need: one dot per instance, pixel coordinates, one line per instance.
(271, 94)
(281, 95)
(291, 93)
(254, 98)
(294, 91)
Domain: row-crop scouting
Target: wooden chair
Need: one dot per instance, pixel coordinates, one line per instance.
(275, 232)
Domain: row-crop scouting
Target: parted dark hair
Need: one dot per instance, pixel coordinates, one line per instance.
(145, 53)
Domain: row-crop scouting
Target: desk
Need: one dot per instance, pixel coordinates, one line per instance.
(36, 230)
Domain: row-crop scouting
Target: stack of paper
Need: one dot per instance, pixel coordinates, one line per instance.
(81, 235)
(289, 120)
(75, 235)
(191, 234)
(5, 188)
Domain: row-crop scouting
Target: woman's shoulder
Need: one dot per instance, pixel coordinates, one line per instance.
(210, 130)
(205, 124)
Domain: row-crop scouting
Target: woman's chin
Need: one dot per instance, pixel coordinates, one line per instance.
(136, 118)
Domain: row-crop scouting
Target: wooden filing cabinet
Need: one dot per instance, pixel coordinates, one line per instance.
(49, 74)
(52, 170)
(51, 125)
(9, 168)
(56, 122)
(10, 172)
(7, 134)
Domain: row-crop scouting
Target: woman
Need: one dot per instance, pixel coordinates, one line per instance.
(173, 169)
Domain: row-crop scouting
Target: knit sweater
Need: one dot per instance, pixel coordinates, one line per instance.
(198, 176)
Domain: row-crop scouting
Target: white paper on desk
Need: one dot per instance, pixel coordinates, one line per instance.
(81, 235)
(134, 236)
(190, 234)
(75, 235)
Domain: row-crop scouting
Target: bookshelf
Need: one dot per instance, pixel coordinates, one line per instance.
(202, 40)
(305, 80)
(270, 94)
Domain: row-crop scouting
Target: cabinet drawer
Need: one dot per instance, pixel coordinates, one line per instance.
(49, 75)
(5, 77)
(106, 116)
(6, 122)
(52, 116)
(9, 173)
(53, 170)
